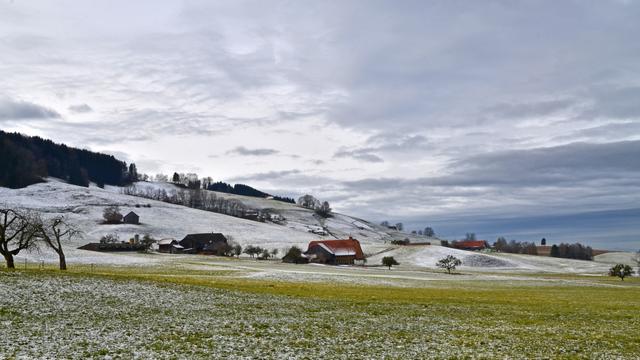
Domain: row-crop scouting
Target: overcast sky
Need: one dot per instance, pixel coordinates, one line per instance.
(515, 118)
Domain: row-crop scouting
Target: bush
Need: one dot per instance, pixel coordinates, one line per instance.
(109, 239)
(401, 242)
(112, 215)
(389, 261)
(294, 256)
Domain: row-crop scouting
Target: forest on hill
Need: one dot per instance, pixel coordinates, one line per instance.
(27, 160)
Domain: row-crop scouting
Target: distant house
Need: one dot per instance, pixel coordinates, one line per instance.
(170, 246)
(470, 244)
(205, 243)
(131, 218)
(335, 252)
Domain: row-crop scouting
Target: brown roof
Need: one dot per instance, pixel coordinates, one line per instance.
(348, 246)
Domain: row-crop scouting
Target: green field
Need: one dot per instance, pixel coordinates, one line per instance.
(156, 313)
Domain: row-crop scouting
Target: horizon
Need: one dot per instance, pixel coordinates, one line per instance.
(464, 117)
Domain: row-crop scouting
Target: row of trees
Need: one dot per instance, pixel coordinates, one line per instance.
(428, 231)
(322, 209)
(515, 247)
(192, 181)
(24, 230)
(398, 226)
(199, 199)
(27, 160)
(572, 251)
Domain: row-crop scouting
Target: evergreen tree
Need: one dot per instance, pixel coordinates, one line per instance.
(133, 173)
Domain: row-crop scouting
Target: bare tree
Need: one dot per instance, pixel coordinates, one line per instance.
(54, 232)
(324, 210)
(449, 263)
(309, 202)
(17, 233)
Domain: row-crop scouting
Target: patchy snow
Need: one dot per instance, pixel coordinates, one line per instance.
(84, 207)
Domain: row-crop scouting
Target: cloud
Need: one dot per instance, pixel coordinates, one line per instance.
(23, 110)
(361, 154)
(267, 176)
(241, 150)
(463, 108)
(80, 108)
(530, 109)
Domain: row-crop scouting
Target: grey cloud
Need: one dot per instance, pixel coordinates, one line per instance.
(241, 150)
(80, 108)
(617, 102)
(361, 154)
(386, 143)
(575, 162)
(531, 109)
(570, 165)
(266, 176)
(22, 110)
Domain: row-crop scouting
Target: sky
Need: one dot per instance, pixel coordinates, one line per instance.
(503, 118)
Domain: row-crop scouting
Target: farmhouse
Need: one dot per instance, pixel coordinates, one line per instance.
(470, 244)
(170, 246)
(205, 243)
(335, 252)
(131, 218)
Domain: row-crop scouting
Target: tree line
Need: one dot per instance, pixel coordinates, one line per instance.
(322, 209)
(27, 160)
(200, 199)
(192, 181)
(572, 251)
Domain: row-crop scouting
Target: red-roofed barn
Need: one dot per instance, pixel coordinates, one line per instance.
(470, 244)
(335, 252)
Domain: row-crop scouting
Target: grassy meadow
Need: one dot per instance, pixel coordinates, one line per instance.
(151, 312)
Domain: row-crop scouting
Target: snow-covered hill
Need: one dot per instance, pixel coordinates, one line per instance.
(84, 207)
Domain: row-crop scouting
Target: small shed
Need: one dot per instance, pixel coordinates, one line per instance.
(170, 246)
(131, 218)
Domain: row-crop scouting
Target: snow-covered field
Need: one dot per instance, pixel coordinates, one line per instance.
(45, 315)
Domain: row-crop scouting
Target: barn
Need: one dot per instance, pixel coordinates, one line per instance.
(470, 244)
(131, 218)
(335, 252)
(204, 243)
(170, 246)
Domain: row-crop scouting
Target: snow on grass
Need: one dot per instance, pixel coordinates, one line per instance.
(47, 315)
(428, 256)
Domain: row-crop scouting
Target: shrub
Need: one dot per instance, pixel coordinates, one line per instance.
(112, 215)
(389, 261)
(401, 242)
(294, 256)
(109, 239)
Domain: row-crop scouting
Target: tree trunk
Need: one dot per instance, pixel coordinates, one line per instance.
(63, 261)
(9, 259)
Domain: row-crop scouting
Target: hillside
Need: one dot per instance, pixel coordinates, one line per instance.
(84, 207)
